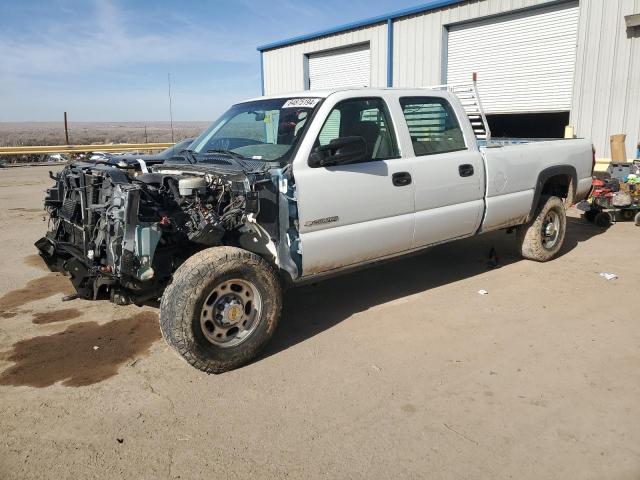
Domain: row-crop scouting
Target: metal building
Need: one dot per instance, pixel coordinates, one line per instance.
(541, 64)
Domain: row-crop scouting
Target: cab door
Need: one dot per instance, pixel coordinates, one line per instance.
(448, 170)
(353, 213)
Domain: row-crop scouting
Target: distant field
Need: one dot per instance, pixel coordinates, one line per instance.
(52, 133)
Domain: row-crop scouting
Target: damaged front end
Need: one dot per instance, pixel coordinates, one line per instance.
(120, 233)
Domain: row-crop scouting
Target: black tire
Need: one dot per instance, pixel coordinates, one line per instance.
(533, 243)
(627, 214)
(184, 299)
(603, 220)
(590, 215)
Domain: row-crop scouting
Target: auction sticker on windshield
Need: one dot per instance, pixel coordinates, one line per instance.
(301, 102)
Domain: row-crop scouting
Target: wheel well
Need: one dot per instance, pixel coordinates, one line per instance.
(557, 186)
(559, 181)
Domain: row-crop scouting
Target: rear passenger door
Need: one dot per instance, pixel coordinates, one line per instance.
(448, 171)
(356, 212)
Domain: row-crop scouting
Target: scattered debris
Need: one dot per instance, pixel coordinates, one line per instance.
(609, 276)
(95, 347)
(120, 440)
(68, 298)
(448, 427)
(483, 292)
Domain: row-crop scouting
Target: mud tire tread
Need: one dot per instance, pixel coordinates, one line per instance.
(189, 288)
(530, 235)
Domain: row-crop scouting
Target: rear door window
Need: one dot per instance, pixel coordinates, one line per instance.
(433, 125)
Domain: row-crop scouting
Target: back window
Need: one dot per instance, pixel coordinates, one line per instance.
(433, 125)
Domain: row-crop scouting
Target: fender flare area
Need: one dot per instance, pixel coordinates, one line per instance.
(546, 174)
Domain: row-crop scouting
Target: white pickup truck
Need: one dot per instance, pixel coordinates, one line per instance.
(293, 188)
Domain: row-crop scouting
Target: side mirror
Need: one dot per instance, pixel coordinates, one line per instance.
(339, 151)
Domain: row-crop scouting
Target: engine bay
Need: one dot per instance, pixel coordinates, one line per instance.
(120, 233)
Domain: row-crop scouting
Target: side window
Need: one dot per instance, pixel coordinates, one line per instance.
(331, 129)
(362, 117)
(433, 125)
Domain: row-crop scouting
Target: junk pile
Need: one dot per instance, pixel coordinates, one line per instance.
(617, 196)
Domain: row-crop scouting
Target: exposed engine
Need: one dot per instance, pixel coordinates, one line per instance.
(121, 232)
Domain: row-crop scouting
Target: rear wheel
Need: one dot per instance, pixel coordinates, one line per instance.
(221, 308)
(590, 215)
(603, 220)
(542, 238)
(627, 214)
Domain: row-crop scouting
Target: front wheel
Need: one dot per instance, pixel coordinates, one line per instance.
(221, 308)
(542, 238)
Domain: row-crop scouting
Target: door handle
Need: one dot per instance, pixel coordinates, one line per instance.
(400, 179)
(465, 170)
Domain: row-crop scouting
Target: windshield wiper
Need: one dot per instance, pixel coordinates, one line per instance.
(191, 155)
(226, 152)
(236, 156)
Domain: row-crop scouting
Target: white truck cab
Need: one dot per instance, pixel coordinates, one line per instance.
(426, 180)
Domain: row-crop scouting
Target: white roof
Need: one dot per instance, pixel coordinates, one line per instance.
(326, 93)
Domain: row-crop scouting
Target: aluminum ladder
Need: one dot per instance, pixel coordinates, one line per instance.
(467, 93)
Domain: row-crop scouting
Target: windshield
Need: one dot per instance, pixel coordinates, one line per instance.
(175, 149)
(262, 130)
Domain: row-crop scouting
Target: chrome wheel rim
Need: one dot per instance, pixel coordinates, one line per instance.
(550, 230)
(231, 313)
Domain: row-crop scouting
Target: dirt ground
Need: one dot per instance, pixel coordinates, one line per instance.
(399, 371)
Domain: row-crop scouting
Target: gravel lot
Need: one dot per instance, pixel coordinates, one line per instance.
(398, 371)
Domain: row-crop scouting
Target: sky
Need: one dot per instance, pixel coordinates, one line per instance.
(108, 60)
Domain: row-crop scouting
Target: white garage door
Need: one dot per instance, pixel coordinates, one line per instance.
(525, 62)
(346, 67)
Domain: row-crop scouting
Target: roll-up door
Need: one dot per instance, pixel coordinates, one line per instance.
(525, 61)
(345, 67)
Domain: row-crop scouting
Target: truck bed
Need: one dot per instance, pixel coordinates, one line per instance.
(515, 168)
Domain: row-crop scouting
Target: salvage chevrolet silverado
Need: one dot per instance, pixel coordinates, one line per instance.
(287, 189)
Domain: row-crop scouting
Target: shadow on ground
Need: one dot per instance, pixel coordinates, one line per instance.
(312, 309)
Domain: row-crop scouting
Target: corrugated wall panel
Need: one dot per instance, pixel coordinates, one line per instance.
(606, 91)
(284, 67)
(344, 67)
(426, 69)
(525, 61)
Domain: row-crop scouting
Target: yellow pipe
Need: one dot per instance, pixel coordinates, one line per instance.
(113, 147)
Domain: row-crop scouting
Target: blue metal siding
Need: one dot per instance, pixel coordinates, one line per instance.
(261, 74)
(390, 52)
